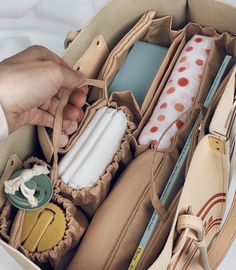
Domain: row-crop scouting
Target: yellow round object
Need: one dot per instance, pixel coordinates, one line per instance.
(43, 229)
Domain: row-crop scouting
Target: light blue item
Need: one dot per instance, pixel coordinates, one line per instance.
(139, 69)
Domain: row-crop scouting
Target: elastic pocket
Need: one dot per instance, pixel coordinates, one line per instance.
(89, 198)
(11, 226)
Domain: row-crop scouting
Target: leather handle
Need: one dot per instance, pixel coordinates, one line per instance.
(59, 116)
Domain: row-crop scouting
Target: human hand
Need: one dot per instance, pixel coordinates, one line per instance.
(31, 85)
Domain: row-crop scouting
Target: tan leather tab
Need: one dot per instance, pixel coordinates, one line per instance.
(217, 145)
(13, 164)
(45, 143)
(93, 58)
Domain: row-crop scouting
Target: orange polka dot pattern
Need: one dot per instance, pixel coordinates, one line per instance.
(179, 93)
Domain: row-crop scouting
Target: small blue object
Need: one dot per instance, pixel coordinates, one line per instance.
(139, 69)
(43, 193)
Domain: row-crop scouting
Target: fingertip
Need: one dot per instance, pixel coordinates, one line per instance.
(78, 98)
(66, 124)
(71, 112)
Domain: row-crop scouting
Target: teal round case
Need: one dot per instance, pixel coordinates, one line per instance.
(43, 192)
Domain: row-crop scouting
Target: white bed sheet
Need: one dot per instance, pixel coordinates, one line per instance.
(46, 22)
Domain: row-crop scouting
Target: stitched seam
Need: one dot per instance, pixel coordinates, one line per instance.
(129, 221)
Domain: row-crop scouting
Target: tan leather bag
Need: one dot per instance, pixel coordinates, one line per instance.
(83, 48)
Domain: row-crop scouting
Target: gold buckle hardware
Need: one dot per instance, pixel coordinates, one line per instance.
(217, 145)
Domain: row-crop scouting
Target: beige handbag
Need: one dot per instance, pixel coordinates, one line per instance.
(191, 223)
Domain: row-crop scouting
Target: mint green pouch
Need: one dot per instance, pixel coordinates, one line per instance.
(139, 69)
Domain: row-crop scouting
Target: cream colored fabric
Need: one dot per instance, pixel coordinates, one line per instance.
(21, 260)
(117, 17)
(218, 14)
(95, 149)
(65, 162)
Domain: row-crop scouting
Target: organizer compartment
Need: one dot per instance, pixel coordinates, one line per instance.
(212, 66)
(155, 31)
(11, 221)
(89, 198)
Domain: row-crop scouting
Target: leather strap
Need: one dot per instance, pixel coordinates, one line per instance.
(13, 164)
(225, 238)
(156, 202)
(192, 227)
(59, 117)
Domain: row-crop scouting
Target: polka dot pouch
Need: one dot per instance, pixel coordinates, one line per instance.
(179, 93)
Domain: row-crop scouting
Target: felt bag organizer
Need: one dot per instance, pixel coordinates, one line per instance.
(89, 198)
(117, 253)
(154, 31)
(148, 29)
(11, 221)
(135, 187)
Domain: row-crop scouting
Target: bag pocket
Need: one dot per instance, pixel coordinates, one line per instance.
(89, 198)
(154, 31)
(11, 222)
(214, 61)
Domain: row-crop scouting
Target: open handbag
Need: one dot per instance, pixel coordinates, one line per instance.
(158, 205)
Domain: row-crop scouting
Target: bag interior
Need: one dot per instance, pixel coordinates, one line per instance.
(189, 18)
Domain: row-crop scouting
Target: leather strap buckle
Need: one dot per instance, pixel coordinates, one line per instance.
(191, 227)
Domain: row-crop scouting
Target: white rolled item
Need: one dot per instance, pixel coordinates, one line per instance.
(70, 156)
(102, 154)
(88, 145)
